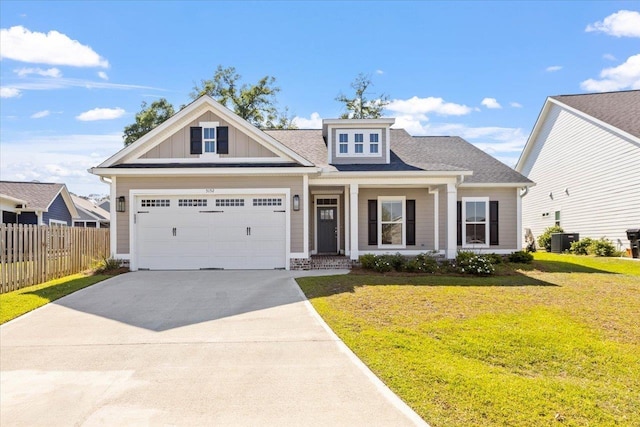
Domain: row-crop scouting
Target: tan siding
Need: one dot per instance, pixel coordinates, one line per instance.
(359, 159)
(126, 184)
(507, 212)
(597, 167)
(177, 145)
(424, 216)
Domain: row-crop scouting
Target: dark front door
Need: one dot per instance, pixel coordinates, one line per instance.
(327, 230)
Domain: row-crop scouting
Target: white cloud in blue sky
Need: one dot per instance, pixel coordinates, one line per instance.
(40, 114)
(553, 68)
(101, 114)
(50, 72)
(103, 75)
(624, 23)
(9, 92)
(624, 76)
(491, 103)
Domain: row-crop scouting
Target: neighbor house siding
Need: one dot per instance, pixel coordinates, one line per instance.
(587, 172)
(28, 218)
(424, 216)
(126, 184)
(507, 213)
(58, 211)
(177, 145)
(359, 159)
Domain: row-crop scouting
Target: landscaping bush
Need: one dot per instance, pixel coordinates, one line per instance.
(471, 263)
(422, 263)
(368, 261)
(581, 247)
(397, 261)
(495, 258)
(544, 240)
(602, 247)
(521, 257)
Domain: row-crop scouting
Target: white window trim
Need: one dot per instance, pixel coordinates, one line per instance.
(204, 125)
(57, 222)
(403, 200)
(464, 222)
(351, 144)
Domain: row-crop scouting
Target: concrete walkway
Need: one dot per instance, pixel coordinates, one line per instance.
(186, 348)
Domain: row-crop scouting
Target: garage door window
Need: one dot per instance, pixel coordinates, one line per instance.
(229, 202)
(192, 202)
(267, 202)
(155, 203)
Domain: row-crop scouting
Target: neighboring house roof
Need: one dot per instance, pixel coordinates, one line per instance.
(619, 109)
(106, 205)
(38, 195)
(88, 210)
(409, 153)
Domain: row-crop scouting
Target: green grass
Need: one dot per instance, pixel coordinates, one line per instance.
(17, 303)
(556, 341)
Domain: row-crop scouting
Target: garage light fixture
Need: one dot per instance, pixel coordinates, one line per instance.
(120, 204)
(296, 202)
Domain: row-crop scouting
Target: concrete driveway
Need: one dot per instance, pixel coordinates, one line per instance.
(186, 348)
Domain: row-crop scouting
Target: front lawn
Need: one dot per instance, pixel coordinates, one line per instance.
(558, 341)
(17, 303)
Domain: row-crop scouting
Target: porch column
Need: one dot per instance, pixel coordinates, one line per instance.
(113, 219)
(347, 221)
(452, 226)
(436, 218)
(353, 220)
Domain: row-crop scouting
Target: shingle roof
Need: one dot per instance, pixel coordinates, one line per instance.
(425, 153)
(88, 210)
(619, 109)
(38, 195)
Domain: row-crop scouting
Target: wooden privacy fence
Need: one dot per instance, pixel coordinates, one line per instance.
(31, 254)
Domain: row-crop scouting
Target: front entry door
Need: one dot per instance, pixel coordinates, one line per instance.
(327, 230)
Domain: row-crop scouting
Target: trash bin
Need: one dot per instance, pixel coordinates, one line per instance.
(561, 242)
(633, 234)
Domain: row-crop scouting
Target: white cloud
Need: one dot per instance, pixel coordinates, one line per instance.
(491, 103)
(420, 107)
(100, 114)
(51, 72)
(61, 158)
(20, 44)
(609, 57)
(9, 92)
(515, 104)
(624, 23)
(379, 72)
(103, 75)
(62, 83)
(624, 76)
(313, 122)
(40, 114)
(553, 68)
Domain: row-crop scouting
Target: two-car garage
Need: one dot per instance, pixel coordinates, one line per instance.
(210, 231)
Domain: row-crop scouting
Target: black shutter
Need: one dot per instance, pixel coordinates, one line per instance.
(493, 222)
(196, 140)
(223, 140)
(459, 224)
(411, 222)
(373, 222)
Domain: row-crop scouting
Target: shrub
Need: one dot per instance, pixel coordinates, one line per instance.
(495, 258)
(544, 240)
(581, 247)
(602, 247)
(108, 264)
(383, 264)
(521, 257)
(422, 263)
(470, 263)
(397, 261)
(368, 261)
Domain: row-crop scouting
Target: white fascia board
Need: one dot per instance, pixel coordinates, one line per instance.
(359, 122)
(186, 115)
(204, 159)
(496, 185)
(371, 182)
(390, 174)
(13, 200)
(202, 171)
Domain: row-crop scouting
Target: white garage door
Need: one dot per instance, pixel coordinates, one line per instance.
(212, 232)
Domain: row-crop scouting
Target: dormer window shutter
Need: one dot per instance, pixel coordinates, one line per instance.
(196, 140)
(223, 140)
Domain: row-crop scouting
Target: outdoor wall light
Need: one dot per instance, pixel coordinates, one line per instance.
(120, 204)
(296, 202)
(551, 196)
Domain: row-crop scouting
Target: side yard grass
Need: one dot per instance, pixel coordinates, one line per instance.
(553, 342)
(17, 303)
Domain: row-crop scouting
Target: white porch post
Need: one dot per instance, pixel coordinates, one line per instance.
(306, 204)
(347, 221)
(518, 220)
(113, 219)
(452, 209)
(436, 218)
(353, 220)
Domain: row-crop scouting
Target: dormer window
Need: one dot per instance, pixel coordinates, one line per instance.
(359, 146)
(373, 143)
(344, 143)
(351, 143)
(209, 139)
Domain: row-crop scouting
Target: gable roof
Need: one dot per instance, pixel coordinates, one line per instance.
(409, 153)
(179, 120)
(619, 109)
(38, 195)
(88, 211)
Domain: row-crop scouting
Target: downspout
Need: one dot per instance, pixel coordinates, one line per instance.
(460, 180)
(524, 191)
(105, 180)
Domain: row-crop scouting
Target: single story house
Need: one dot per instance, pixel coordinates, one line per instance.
(584, 155)
(91, 215)
(39, 203)
(207, 190)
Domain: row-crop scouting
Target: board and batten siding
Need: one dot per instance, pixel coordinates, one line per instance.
(587, 172)
(125, 184)
(507, 199)
(177, 145)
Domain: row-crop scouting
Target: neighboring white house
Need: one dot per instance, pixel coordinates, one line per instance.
(584, 155)
(206, 189)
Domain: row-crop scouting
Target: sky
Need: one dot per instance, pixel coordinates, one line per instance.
(74, 74)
